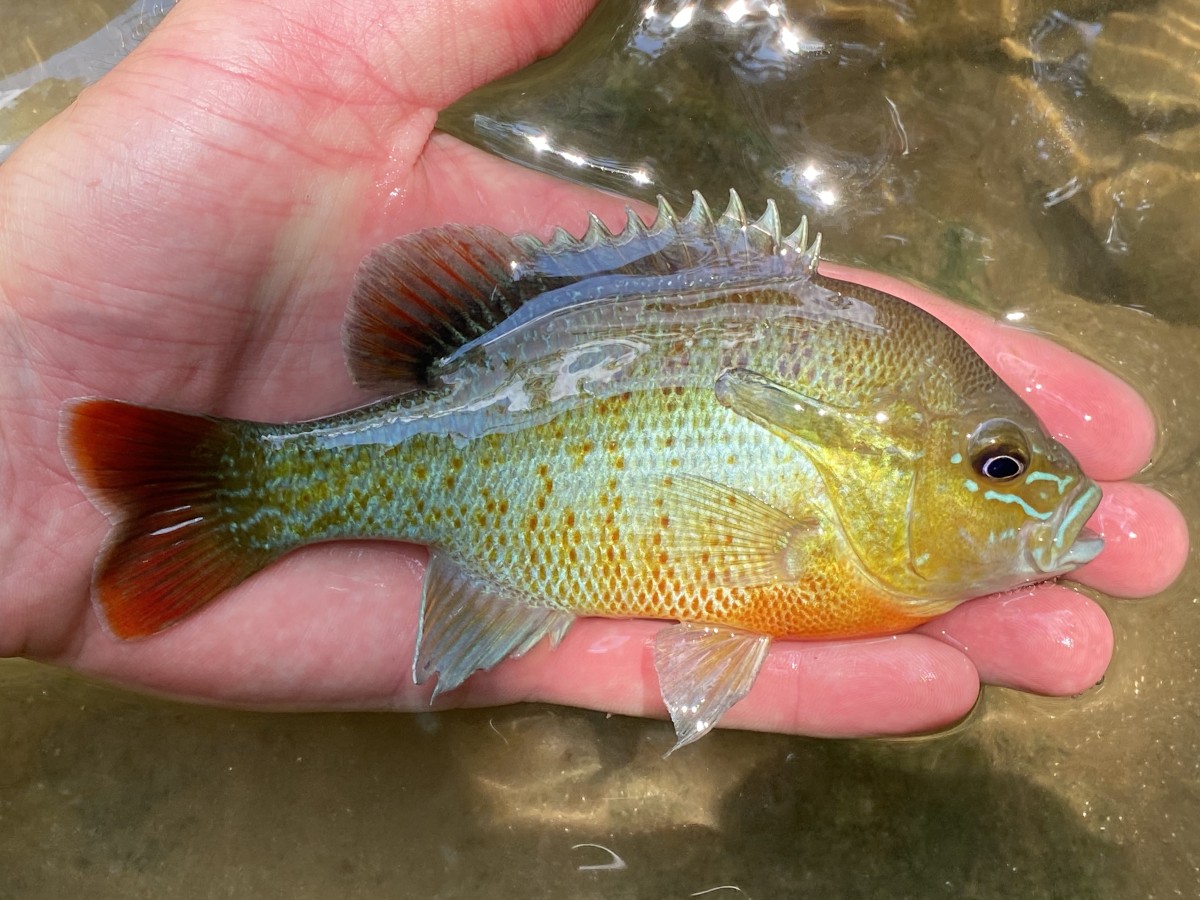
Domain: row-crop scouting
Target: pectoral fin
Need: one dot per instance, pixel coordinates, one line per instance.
(705, 527)
(468, 624)
(702, 671)
(813, 423)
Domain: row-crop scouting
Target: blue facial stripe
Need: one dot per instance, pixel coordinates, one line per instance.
(1073, 511)
(956, 459)
(1061, 480)
(1013, 498)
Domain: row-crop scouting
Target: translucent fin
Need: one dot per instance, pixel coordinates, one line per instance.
(792, 414)
(467, 624)
(158, 475)
(702, 671)
(706, 527)
(810, 258)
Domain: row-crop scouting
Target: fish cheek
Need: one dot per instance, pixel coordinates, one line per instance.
(953, 528)
(931, 526)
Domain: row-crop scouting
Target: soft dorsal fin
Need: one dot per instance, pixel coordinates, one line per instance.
(420, 297)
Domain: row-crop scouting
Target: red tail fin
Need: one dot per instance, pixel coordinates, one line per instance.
(158, 476)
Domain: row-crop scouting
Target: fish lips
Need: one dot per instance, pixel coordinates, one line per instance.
(1064, 543)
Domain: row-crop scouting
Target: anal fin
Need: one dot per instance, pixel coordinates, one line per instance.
(468, 624)
(702, 671)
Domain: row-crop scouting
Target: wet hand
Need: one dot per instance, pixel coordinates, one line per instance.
(186, 235)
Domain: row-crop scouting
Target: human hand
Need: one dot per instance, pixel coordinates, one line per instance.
(186, 236)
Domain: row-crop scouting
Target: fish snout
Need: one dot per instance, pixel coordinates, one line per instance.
(1063, 542)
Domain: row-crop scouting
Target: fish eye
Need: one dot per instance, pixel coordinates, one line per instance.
(998, 450)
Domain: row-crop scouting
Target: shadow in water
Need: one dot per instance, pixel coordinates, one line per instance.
(138, 797)
(919, 820)
(835, 819)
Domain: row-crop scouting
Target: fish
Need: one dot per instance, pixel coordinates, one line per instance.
(682, 420)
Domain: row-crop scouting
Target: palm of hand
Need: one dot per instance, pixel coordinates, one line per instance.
(186, 236)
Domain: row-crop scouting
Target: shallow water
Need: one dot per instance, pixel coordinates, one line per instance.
(1019, 162)
(51, 51)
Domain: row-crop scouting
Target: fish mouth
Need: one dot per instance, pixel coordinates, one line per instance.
(1063, 543)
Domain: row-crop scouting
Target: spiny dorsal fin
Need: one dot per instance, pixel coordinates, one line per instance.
(672, 244)
(420, 297)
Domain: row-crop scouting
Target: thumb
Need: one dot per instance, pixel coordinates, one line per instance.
(243, 112)
(414, 53)
(438, 50)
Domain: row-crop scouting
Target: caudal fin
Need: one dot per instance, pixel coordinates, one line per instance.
(162, 479)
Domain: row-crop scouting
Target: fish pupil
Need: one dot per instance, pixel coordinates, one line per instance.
(1001, 466)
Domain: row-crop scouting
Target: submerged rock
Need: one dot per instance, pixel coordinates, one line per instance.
(1145, 215)
(917, 24)
(1151, 61)
(1053, 134)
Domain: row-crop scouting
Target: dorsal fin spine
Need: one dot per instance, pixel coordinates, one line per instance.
(671, 243)
(634, 226)
(597, 234)
(811, 258)
(666, 218)
(699, 218)
(732, 229)
(735, 212)
(768, 224)
(798, 239)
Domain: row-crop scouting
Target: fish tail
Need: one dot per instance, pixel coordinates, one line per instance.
(161, 477)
